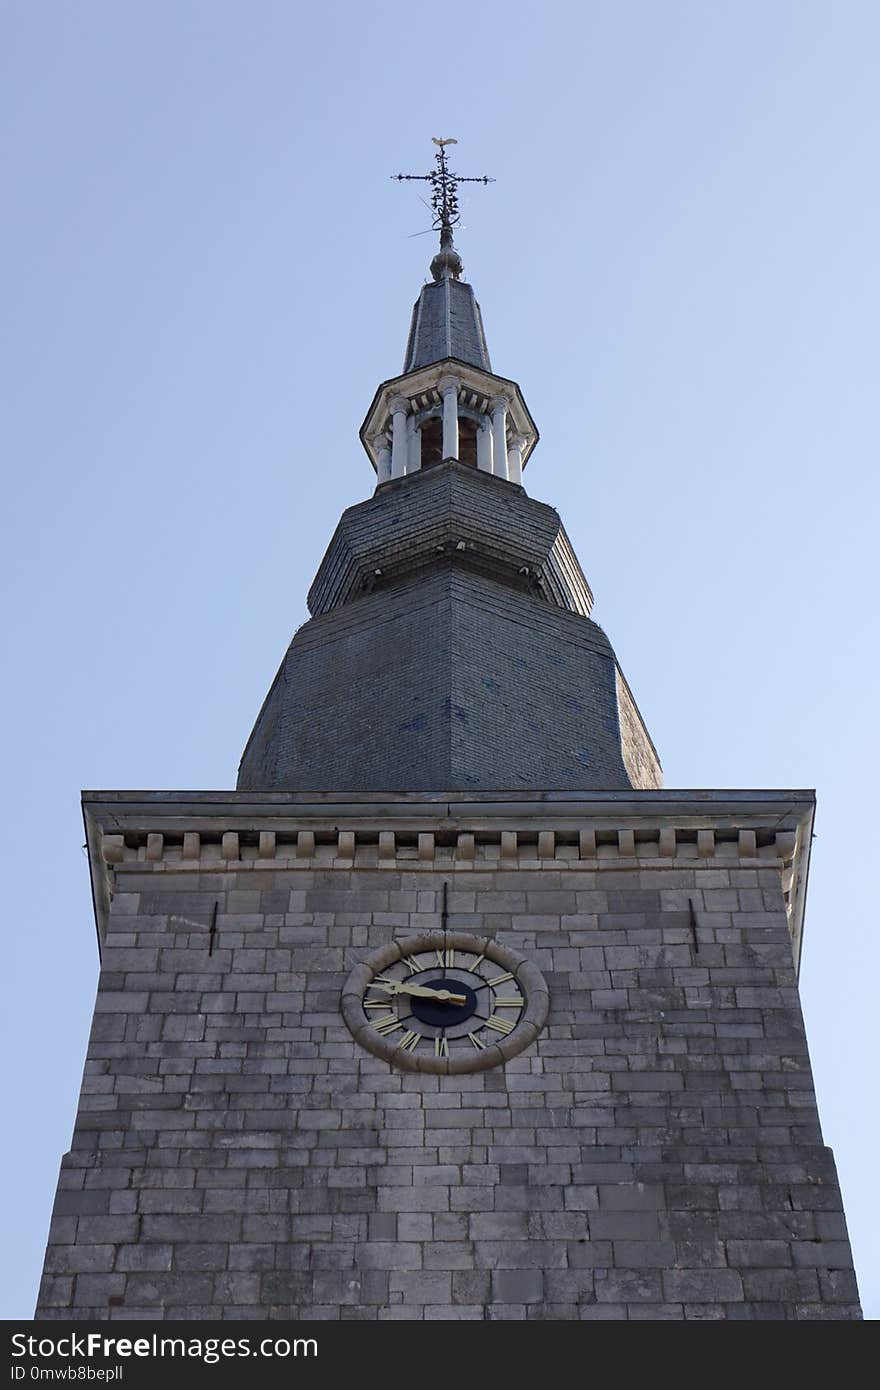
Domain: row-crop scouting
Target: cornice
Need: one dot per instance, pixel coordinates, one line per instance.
(652, 832)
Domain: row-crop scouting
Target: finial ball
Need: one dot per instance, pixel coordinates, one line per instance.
(447, 263)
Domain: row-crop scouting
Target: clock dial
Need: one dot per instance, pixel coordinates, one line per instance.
(445, 1003)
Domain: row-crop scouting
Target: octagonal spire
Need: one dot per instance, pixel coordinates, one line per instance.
(446, 322)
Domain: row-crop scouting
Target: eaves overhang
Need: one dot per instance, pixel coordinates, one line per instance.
(134, 833)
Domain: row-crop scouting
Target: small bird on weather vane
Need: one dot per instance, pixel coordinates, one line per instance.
(441, 143)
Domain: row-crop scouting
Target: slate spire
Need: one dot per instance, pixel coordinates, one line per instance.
(446, 318)
(450, 643)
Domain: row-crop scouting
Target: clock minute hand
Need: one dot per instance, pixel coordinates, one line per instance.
(443, 996)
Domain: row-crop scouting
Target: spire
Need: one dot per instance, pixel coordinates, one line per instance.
(446, 320)
(450, 643)
(447, 404)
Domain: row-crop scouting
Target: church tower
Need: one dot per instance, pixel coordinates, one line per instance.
(449, 1010)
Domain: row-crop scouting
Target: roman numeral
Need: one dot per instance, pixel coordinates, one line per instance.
(511, 1003)
(410, 1041)
(478, 1044)
(390, 1024)
(441, 1047)
(445, 958)
(413, 964)
(501, 979)
(500, 1025)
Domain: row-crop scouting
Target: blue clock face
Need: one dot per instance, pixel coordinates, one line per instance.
(446, 1003)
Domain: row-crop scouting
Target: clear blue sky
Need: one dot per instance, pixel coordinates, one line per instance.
(208, 271)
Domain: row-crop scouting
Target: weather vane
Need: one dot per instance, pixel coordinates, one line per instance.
(444, 190)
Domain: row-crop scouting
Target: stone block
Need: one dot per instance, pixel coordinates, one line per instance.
(702, 1285)
(643, 1254)
(390, 1255)
(427, 1287)
(498, 1225)
(517, 1285)
(623, 1286)
(821, 1254)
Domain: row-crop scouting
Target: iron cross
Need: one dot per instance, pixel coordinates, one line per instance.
(444, 187)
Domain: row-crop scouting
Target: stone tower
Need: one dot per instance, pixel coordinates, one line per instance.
(449, 1011)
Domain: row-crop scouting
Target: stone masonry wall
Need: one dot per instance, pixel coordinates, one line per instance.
(656, 1154)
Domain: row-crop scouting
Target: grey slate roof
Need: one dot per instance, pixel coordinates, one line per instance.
(448, 679)
(446, 676)
(446, 322)
(492, 525)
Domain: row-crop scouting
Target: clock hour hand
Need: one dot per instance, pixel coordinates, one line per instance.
(443, 996)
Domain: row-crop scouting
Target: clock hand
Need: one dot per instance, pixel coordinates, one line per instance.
(443, 996)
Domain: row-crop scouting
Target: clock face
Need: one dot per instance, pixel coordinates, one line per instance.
(445, 1003)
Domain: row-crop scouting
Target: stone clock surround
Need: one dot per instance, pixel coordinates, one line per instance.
(655, 1153)
(528, 1028)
